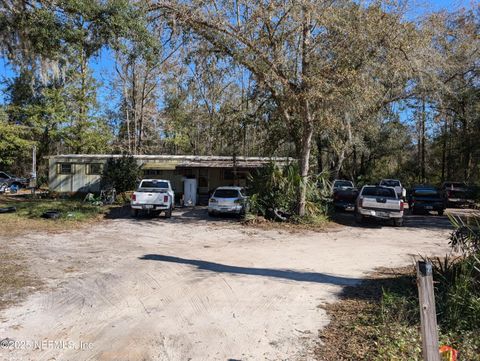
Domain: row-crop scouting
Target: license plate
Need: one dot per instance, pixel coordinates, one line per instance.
(382, 214)
(428, 207)
(147, 206)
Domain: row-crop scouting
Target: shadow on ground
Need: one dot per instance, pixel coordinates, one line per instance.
(253, 271)
(179, 215)
(345, 218)
(355, 318)
(400, 280)
(426, 221)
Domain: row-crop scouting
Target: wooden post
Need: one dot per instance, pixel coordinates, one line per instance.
(33, 178)
(428, 314)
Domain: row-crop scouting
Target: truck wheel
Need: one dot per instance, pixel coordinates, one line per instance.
(398, 222)
(358, 218)
(168, 213)
(134, 213)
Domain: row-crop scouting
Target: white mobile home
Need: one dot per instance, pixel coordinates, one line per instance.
(81, 173)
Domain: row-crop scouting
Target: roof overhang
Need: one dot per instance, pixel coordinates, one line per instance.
(169, 162)
(160, 165)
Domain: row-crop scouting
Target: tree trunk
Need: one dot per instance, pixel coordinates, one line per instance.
(423, 139)
(319, 155)
(348, 143)
(449, 151)
(307, 131)
(306, 145)
(339, 165)
(467, 151)
(362, 164)
(444, 148)
(354, 163)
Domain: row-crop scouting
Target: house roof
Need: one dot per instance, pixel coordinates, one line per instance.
(164, 161)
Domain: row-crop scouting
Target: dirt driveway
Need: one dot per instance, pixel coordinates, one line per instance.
(195, 289)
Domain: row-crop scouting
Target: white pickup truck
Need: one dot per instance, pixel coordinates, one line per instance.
(397, 185)
(380, 203)
(153, 195)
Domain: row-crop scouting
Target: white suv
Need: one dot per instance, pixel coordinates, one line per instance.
(227, 200)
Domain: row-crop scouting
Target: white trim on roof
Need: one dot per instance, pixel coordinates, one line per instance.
(167, 157)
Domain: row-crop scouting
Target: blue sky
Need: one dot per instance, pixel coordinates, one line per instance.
(103, 70)
(434, 5)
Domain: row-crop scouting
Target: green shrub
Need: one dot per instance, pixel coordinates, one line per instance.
(274, 187)
(121, 174)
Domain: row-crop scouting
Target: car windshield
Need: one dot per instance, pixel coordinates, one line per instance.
(338, 184)
(379, 192)
(154, 184)
(390, 183)
(5, 175)
(226, 193)
(426, 193)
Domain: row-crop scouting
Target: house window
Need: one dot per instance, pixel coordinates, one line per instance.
(151, 172)
(94, 168)
(65, 168)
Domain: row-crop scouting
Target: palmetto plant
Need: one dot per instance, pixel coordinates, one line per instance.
(458, 279)
(274, 187)
(466, 237)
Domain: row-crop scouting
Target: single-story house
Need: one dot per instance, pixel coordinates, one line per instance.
(81, 173)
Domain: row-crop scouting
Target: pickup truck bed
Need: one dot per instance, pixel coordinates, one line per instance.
(344, 194)
(345, 198)
(153, 196)
(380, 203)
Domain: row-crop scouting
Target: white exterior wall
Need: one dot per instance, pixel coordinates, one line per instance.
(78, 181)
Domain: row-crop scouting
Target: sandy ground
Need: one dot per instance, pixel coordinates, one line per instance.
(190, 288)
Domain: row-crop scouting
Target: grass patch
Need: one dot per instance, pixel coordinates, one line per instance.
(28, 216)
(380, 320)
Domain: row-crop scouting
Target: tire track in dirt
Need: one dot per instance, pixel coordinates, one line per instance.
(210, 293)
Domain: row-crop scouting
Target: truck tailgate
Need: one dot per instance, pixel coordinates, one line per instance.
(346, 195)
(150, 197)
(387, 204)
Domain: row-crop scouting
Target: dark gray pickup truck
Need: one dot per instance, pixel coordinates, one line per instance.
(457, 194)
(344, 194)
(10, 180)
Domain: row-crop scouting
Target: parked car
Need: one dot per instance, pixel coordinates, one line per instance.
(457, 194)
(424, 198)
(153, 195)
(344, 194)
(228, 200)
(379, 202)
(394, 183)
(10, 180)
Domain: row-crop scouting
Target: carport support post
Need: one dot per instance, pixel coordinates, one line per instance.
(428, 315)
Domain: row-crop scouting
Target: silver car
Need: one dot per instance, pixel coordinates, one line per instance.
(227, 200)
